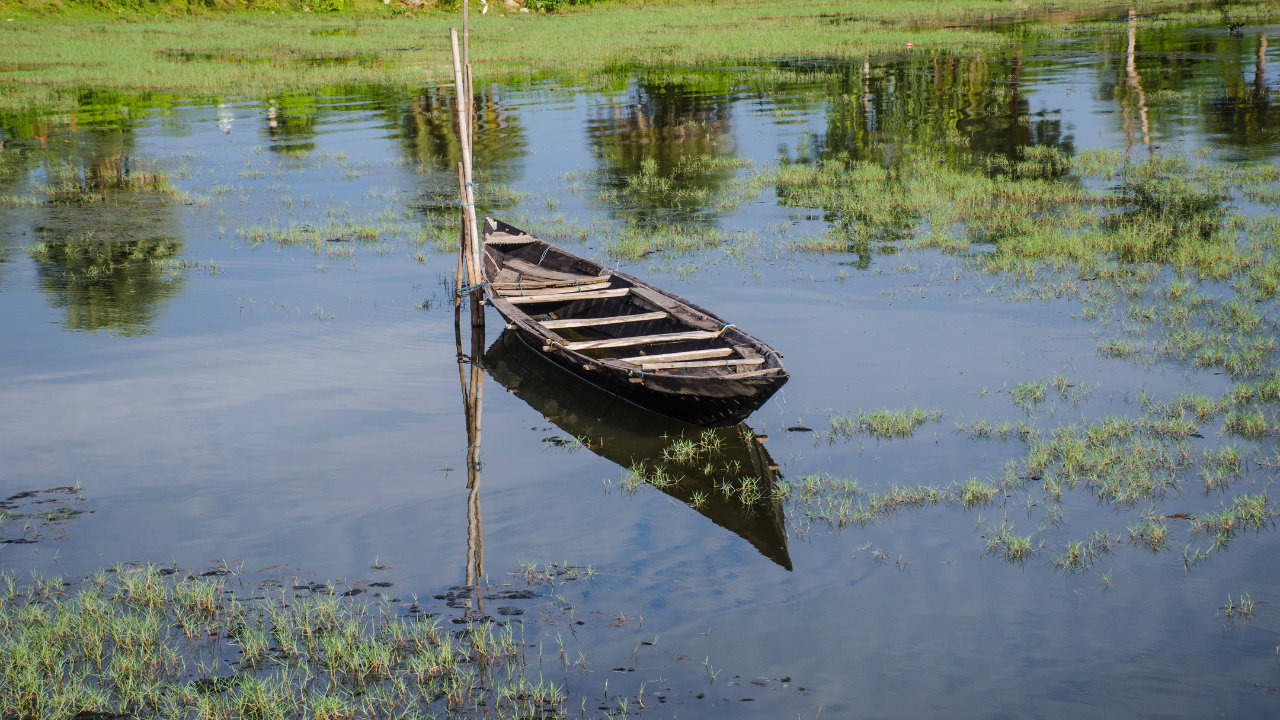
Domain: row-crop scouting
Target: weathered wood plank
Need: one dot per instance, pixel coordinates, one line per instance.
(657, 301)
(524, 267)
(589, 295)
(672, 357)
(589, 322)
(507, 290)
(699, 364)
(641, 340)
(515, 284)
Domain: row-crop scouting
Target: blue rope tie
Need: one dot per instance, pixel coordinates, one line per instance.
(470, 288)
(544, 255)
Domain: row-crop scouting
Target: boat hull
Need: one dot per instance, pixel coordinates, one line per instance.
(722, 403)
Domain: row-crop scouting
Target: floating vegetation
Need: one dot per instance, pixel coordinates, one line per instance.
(838, 503)
(635, 242)
(1003, 542)
(1080, 555)
(1246, 512)
(154, 642)
(882, 424)
(1241, 608)
(1151, 533)
(331, 231)
(1005, 430)
(43, 514)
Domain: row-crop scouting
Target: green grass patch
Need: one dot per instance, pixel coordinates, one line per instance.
(182, 49)
(882, 424)
(149, 642)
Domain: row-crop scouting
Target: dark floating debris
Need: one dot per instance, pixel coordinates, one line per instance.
(510, 610)
(799, 428)
(45, 508)
(512, 595)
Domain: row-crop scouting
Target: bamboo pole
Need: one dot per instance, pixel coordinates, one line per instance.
(471, 133)
(464, 246)
(464, 134)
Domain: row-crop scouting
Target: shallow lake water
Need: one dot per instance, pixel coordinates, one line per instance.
(220, 395)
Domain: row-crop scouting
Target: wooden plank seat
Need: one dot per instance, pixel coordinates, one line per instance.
(677, 356)
(642, 340)
(520, 289)
(562, 297)
(505, 239)
(700, 364)
(528, 269)
(526, 284)
(592, 322)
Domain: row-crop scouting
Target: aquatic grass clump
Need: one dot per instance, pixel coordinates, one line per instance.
(1246, 512)
(1013, 548)
(1005, 430)
(1150, 532)
(839, 503)
(883, 424)
(1080, 555)
(1029, 394)
(152, 642)
(635, 243)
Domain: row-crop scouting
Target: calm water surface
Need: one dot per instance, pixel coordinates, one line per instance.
(299, 404)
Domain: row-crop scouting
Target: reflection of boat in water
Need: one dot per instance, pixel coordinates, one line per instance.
(647, 443)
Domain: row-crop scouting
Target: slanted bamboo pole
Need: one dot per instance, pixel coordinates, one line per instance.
(464, 134)
(464, 247)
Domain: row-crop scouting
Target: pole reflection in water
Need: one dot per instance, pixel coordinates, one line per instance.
(1134, 81)
(723, 473)
(473, 402)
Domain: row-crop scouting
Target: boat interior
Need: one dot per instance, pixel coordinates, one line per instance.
(586, 308)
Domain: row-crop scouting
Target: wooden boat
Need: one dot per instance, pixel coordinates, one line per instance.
(624, 335)
(634, 437)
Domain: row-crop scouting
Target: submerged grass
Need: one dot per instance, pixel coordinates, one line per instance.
(882, 424)
(150, 642)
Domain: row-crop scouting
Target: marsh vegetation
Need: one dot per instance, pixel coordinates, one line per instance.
(150, 641)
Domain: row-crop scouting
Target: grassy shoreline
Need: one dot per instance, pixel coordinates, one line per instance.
(47, 60)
